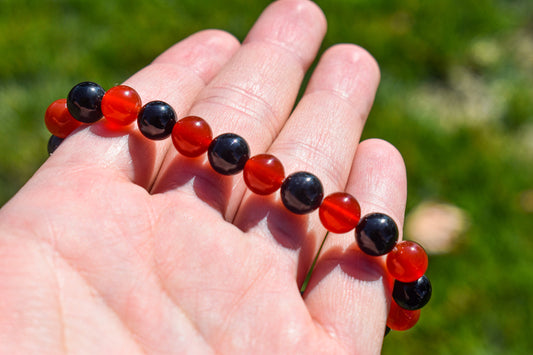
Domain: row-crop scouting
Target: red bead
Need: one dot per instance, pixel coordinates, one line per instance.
(191, 136)
(339, 212)
(58, 119)
(401, 319)
(263, 174)
(407, 262)
(121, 105)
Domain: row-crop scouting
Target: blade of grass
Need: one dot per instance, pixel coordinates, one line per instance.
(308, 277)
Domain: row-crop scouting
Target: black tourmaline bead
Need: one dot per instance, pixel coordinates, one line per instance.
(301, 192)
(412, 295)
(156, 120)
(387, 330)
(84, 102)
(228, 153)
(53, 143)
(376, 234)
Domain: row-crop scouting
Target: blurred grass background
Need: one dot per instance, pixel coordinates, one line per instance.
(456, 98)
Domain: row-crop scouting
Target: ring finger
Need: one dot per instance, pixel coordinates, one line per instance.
(320, 137)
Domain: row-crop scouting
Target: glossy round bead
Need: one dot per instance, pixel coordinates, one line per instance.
(191, 136)
(58, 120)
(387, 330)
(407, 262)
(121, 105)
(401, 319)
(263, 174)
(156, 120)
(53, 143)
(339, 212)
(84, 102)
(412, 295)
(301, 192)
(228, 154)
(376, 234)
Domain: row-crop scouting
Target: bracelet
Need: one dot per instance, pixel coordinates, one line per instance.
(376, 234)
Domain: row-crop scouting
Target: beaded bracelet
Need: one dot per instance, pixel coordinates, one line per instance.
(301, 192)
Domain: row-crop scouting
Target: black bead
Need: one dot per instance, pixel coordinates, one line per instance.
(376, 234)
(412, 295)
(53, 143)
(301, 192)
(228, 153)
(156, 120)
(84, 102)
(387, 330)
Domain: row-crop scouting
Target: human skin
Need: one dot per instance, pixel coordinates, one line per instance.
(119, 245)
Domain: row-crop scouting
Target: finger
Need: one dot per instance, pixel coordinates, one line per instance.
(348, 293)
(320, 137)
(176, 77)
(252, 97)
(96, 228)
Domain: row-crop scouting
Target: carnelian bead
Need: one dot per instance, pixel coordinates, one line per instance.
(58, 119)
(339, 212)
(407, 262)
(121, 105)
(263, 174)
(401, 319)
(191, 136)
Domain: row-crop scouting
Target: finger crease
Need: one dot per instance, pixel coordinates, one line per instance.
(175, 302)
(287, 48)
(247, 103)
(342, 96)
(304, 153)
(133, 335)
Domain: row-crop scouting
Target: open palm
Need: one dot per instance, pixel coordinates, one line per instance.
(118, 245)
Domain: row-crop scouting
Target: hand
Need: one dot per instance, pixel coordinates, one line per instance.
(118, 245)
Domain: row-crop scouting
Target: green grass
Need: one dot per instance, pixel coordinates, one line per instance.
(456, 99)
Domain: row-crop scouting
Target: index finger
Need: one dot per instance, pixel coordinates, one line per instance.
(176, 76)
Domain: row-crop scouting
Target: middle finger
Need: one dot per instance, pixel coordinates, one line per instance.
(252, 97)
